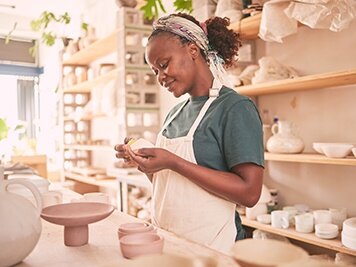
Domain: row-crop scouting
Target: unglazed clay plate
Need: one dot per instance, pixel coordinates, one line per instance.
(75, 217)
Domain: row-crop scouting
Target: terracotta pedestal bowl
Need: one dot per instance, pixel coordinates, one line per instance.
(75, 218)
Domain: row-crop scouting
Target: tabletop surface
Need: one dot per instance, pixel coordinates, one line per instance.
(103, 246)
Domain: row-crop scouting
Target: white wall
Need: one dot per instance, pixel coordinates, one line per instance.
(324, 115)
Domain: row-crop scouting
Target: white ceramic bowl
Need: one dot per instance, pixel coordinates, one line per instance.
(326, 230)
(264, 218)
(265, 252)
(335, 150)
(354, 151)
(348, 241)
(349, 227)
(317, 147)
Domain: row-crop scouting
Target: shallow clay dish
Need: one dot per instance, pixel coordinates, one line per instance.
(169, 260)
(265, 253)
(75, 217)
(135, 245)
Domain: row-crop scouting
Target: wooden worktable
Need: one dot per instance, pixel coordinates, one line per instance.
(103, 248)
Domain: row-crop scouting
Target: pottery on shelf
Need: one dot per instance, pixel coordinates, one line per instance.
(20, 223)
(75, 218)
(284, 140)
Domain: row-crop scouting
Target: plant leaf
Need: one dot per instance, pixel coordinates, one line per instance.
(183, 5)
(4, 129)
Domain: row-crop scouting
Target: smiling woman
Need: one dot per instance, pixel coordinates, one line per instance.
(209, 152)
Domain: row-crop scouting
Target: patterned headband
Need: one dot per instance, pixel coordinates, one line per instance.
(192, 32)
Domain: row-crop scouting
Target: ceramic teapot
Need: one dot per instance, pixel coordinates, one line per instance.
(20, 223)
(284, 140)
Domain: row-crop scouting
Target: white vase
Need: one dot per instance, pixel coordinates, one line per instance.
(284, 140)
(20, 222)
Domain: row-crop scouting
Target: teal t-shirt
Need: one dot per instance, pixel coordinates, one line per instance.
(230, 133)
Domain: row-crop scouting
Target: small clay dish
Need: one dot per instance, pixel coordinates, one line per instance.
(135, 228)
(134, 245)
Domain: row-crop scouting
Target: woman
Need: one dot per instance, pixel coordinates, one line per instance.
(209, 153)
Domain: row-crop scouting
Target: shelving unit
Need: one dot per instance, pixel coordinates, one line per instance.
(137, 101)
(332, 244)
(310, 82)
(248, 29)
(310, 158)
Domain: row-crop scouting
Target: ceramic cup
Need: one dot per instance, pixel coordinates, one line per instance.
(50, 198)
(292, 211)
(304, 223)
(97, 197)
(338, 216)
(280, 219)
(322, 216)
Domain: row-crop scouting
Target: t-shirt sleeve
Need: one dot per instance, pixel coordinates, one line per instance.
(243, 136)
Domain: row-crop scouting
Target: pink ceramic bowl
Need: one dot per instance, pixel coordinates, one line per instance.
(134, 245)
(135, 228)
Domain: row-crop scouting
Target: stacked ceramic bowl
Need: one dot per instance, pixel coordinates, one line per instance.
(326, 230)
(139, 239)
(348, 234)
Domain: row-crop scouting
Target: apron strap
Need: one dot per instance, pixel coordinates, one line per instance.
(172, 117)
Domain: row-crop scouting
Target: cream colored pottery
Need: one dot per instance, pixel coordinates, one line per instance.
(20, 223)
(266, 253)
(170, 260)
(284, 140)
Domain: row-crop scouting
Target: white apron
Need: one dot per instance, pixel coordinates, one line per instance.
(182, 207)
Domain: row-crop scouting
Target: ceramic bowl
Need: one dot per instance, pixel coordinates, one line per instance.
(318, 147)
(135, 228)
(335, 150)
(134, 245)
(349, 227)
(265, 253)
(326, 230)
(348, 241)
(354, 151)
(169, 260)
(264, 218)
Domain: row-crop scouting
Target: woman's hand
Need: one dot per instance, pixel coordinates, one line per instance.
(151, 160)
(121, 150)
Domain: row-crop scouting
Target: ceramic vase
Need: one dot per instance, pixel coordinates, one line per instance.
(284, 140)
(20, 223)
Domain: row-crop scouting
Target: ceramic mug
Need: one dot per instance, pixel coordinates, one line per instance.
(96, 197)
(50, 198)
(304, 223)
(280, 219)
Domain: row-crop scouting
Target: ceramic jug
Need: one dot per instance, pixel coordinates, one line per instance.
(284, 140)
(20, 223)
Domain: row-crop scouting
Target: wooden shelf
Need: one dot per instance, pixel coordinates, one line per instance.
(332, 244)
(85, 118)
(90, 147)
(310, 158)
(248, 28)
(85, 87)
(310, 82)
(99, 48)
(107, 183)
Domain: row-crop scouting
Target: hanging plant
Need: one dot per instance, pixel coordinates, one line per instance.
(152, 8)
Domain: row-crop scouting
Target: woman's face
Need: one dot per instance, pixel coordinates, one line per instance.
(173, 63)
